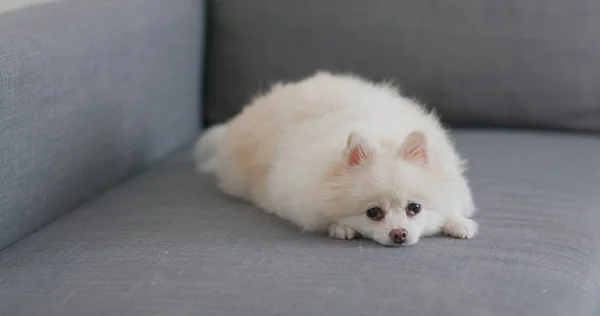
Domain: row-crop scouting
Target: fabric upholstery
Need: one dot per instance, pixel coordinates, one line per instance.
(9, 5)
(480, 63)
(90, 93)
(169, 243)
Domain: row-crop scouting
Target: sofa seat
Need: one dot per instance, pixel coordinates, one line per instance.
(169, 243)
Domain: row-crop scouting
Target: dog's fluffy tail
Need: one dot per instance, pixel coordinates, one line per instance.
(207, 146)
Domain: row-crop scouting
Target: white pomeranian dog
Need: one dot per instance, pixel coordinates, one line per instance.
(337, 153)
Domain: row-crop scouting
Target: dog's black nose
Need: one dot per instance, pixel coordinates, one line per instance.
(398, 235)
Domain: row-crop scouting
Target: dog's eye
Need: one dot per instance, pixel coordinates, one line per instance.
(413, 209)
(375, 213)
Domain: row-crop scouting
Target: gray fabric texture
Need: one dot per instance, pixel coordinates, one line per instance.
(90, 93)
(480, 63)
(169, 243)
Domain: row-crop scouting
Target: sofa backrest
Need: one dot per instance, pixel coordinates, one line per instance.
(510, 63)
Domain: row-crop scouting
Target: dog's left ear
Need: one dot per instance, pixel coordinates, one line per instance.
(414, 148)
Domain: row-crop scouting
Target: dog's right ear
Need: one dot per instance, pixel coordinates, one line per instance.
(358, 151)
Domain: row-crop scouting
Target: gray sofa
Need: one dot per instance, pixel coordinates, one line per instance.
(102, 213)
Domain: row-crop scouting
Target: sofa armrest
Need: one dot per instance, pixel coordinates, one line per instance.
(90, 93)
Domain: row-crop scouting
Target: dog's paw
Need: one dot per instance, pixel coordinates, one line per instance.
(460, 227)
(342, 232)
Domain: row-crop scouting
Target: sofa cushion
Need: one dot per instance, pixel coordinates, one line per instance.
(169, 243)
(10, 5)
(501, 63)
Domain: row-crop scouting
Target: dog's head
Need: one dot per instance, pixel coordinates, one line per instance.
(384, 191)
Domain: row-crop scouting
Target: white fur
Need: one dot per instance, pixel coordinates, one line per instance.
(207, 145)
(289, 152)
